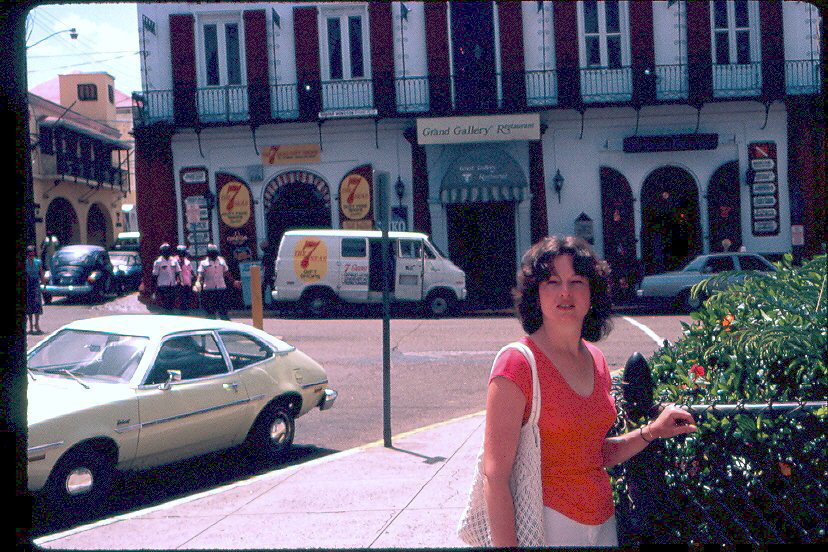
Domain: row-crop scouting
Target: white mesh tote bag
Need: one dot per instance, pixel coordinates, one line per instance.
(525, 482)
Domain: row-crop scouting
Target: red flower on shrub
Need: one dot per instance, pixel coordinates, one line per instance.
(697, 371)
(785, 469)
(728, 320)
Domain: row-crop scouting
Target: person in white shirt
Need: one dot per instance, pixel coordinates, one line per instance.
(165, 273)
(211, 277)
(184, 293)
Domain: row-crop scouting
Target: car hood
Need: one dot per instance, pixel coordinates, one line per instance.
(55, 396)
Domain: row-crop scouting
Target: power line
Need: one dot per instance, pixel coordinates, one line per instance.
(87, 53)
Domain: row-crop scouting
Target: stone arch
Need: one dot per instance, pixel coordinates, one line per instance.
(670, 219)
(99, 226)
(62, 221)
(295, 199)
(724, 208)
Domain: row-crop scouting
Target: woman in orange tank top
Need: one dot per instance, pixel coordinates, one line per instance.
(563, 303)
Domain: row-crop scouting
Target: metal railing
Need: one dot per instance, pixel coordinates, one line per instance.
(541, 88)
(355, 94)
(606, 84)
(737, 79)
(803, 76)
(223, 104)
(412, 94)
(751, 473)
(597, 85)
(672, 82)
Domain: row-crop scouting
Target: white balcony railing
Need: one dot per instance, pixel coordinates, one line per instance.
(737, 79)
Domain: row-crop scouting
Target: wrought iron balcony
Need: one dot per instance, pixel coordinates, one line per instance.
(223, 104)
(412, 94)
(347, 95)
(803, 76)
(606, 84)
(672, 82)
(737, 80)
(284, 101)
(541, 88)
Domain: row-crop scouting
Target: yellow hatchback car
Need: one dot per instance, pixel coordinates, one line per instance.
(131, 392)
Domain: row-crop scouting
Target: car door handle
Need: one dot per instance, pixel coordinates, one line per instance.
(234, 386)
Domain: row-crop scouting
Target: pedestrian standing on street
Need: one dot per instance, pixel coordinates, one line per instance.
(184, 293)
(212, 272)
(165, 273)
(562, 301)
(34, 275)
(268, 270)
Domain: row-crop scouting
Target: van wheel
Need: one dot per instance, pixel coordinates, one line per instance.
(318, 303)
(441, 303)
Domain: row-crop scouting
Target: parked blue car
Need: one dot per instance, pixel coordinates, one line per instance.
(79, 270)
(127, 269)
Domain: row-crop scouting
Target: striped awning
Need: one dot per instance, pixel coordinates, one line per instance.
(483, 193)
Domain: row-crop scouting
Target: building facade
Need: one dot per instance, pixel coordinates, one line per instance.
(656, 130)
(81, 160)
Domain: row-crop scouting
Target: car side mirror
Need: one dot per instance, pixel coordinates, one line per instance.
(172, 377)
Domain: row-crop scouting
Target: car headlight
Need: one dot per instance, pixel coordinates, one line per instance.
(93, 277)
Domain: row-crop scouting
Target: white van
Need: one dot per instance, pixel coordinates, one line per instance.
(317, 268)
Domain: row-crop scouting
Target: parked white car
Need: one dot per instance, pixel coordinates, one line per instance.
(674, 287)
(135, 391)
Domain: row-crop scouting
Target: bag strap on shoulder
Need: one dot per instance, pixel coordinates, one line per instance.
(534, 413)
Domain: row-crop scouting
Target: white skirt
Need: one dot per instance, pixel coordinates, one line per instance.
(559, 530)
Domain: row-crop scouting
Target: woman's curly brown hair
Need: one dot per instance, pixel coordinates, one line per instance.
(536, 268)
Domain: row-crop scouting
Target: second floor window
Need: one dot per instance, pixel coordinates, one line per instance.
(603, 27)
(344, 45)
(221, 42)
(87, 92)
(733, 21)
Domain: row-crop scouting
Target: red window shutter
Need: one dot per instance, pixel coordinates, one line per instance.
(306, 39)
(699, 62)
(255, 41)
(566, 53)
(643, 51)
(772, 36)
(511, 54)
(182, 48)
(437, 52)
(382, 56)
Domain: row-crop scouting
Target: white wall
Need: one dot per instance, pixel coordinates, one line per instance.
(802, 27)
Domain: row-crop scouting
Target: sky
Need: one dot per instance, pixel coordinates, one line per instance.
(107, 41)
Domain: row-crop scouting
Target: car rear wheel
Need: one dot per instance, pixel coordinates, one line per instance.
(318, 303)
(272, 436)
(82, 478)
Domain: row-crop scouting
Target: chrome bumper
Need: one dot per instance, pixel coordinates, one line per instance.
(66, 290)
(327, 400)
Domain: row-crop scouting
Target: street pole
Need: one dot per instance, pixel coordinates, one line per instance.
(381, 187)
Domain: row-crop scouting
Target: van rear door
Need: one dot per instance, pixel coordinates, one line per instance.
(409, 270)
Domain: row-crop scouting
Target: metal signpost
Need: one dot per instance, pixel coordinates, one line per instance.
(383, 218)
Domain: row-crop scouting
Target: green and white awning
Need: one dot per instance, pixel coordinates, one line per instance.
(483, 193)
(484, 174)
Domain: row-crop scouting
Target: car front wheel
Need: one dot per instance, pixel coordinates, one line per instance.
(273, 434)
(441, 303)
(82, 478)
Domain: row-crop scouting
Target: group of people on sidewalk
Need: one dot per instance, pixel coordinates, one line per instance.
(179, 282)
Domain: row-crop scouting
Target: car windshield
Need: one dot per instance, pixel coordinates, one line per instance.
(98, 355)
(73, 258)
(695, 265)
(121, 259)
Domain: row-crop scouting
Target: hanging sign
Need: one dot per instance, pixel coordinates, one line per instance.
(483, 128)
(355, 199)
(291, 154)
(762, 180)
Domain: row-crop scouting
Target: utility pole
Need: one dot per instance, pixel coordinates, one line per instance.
(383, 221)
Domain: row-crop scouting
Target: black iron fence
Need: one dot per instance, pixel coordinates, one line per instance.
(751, 474)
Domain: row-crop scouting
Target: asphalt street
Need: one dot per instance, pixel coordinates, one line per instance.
(439, 370)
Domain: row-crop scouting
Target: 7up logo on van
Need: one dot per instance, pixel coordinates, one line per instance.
(310, 259)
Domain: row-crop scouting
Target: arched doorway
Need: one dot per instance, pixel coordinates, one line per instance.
(670, 227)
(296, 199)
(62, 221)
(98, 226)
(724, 209)
(619, 233)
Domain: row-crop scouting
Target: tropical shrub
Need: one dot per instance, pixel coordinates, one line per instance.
(748, 475)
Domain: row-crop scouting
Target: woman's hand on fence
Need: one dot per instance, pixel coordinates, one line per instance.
(671, 421)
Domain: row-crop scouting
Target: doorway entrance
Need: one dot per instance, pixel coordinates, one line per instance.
(481, 241)
(670, 226)
(296, 200)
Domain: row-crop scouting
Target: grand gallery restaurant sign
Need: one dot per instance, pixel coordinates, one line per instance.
(484, 128)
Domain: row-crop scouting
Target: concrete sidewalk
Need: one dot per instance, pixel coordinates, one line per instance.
(408, 496)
